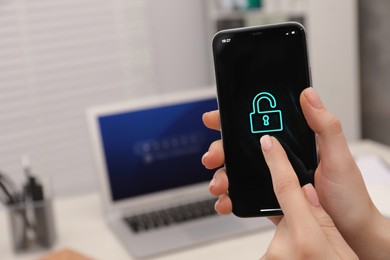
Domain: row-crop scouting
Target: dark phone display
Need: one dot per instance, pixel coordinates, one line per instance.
(260, 73)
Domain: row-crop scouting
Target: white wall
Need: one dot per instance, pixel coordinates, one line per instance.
(375, 69)
(332, 28)
(180, 46)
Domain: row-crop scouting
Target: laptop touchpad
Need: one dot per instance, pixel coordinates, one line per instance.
(217, 227)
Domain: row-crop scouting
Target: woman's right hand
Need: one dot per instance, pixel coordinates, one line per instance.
(338, 181)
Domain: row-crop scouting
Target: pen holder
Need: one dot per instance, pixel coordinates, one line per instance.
(32, 225)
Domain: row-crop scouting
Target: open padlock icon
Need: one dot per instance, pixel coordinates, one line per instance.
(262, 121)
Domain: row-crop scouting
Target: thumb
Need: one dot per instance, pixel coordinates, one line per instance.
(332, 143)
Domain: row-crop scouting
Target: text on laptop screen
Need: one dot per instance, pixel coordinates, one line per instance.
(156, 149)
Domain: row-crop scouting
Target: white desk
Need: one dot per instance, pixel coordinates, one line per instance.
(80, 226)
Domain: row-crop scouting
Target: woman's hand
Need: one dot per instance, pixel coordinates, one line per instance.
(340, 186)
(305, 231)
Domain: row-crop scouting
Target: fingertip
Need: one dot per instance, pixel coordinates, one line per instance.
(212, 184)
(223, 205)
(205, 156)
(204, 117)
(313, 98)
(266, 143)
(219, 184)
(320, 120)
(214, 157)
(208, 161)
(211, 120)
(311, 106)
(311, 195)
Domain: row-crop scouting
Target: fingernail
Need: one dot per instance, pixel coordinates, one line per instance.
(204, 114)
(311, 195)
(212, 183)
(313, 98)
(266, 142)
(216, 204)
(205, 156)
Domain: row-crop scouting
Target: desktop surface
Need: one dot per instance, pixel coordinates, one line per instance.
(81, 227)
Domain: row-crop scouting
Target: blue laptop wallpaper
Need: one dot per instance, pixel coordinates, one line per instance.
(157, 148)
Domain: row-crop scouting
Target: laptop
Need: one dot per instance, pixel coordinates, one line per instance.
(154, 188)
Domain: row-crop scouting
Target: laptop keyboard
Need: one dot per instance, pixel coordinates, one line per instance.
(170, 216)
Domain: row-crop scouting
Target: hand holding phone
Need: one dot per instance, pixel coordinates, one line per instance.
(260, 73)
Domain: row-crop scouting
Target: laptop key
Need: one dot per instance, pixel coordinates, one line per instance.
(165, 217)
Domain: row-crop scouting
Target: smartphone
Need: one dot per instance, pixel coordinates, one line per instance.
(260, 74)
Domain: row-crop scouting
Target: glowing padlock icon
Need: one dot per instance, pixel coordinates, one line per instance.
(263, 121)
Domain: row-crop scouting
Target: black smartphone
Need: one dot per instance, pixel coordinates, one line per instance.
(260, 74)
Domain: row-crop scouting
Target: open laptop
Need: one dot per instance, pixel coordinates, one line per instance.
(153, 185)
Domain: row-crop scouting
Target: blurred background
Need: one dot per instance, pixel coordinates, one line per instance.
(375, 69)
(57, 58)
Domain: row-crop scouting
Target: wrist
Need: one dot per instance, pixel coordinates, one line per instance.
(380, 239)
(370, 239)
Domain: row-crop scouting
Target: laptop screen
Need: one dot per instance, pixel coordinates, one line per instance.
(156, 149)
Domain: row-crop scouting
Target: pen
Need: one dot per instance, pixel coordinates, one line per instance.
(8, 189)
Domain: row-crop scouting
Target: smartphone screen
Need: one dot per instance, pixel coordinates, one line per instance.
(260, 74)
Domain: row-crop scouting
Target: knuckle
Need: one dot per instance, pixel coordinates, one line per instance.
(285, 186)
(220, 172)
(223, 205)
(306, 253)
(220, 183)
(273, 253)
(307, 249)
(216, 144)
(335, 125)
(325, 221)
